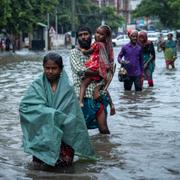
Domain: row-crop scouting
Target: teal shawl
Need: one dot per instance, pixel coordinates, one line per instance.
(49, 117)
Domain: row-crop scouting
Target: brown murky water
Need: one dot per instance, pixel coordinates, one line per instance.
(145, 132)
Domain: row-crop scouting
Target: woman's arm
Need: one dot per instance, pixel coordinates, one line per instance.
(152, 51)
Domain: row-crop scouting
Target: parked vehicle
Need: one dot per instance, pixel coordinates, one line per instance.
(153, 36)
(120, 40)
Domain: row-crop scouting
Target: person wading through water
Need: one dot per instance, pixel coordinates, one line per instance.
(95, 111)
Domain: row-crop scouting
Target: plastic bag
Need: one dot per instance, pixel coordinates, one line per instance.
(122, 75)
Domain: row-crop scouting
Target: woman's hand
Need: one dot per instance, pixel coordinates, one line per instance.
(112, 110)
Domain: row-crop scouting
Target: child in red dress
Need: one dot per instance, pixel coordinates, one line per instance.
(101, 60)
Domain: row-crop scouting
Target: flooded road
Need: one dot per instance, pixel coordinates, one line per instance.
(144, 143)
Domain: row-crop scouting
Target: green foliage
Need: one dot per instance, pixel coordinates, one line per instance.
(22, 15)
(110, 17)
(87, 14)
(175, 6)
(168, 11)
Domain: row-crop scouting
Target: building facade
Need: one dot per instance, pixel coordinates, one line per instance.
(122, 7)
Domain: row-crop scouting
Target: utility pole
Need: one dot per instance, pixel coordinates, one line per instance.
(48, 21)
(126, 13)
(73, 24)
(56, 22)
(100, 6)
(47, 33)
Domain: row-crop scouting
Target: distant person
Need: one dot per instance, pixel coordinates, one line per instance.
(0, 44)
(14, 44)
(131, 58)
(52, 122)
(148, 56)
(67, 39)
(101, 59)
(3, 44)
(17, 42)
(160, 42)
(7, 43)
(170, 52)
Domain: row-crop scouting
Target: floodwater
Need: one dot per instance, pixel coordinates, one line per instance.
(144, 143)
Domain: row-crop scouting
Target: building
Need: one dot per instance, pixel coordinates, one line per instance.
(134, 4)
(122, 7)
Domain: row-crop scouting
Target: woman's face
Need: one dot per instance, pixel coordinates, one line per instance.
(52, 70)
(100, 35)
(142, 39)
(169, 36)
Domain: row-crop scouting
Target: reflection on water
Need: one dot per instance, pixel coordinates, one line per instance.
(145, 133)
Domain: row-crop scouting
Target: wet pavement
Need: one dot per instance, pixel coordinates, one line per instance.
(144, 143)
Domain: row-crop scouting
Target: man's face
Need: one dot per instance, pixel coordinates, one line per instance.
(84, 39)
(134, 37)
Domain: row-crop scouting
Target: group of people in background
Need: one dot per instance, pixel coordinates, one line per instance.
(5, 44)
(138, 58)
(8, 44)
(55, 116)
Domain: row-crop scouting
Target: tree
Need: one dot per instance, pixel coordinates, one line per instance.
(175, 5)
(168, 11)
(111, 18)
(22, 15)
(87, 14)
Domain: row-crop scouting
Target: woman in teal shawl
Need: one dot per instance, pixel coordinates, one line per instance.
(170, 53)
(52, 122)
(148, 55)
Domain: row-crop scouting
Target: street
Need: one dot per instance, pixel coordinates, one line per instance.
(145, 132)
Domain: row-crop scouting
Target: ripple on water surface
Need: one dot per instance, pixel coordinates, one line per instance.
(145, 132)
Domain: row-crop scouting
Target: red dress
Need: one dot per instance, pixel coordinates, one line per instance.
(98, 60)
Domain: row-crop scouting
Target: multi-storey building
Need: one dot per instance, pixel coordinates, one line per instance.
(122, 7)
(134, 4)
